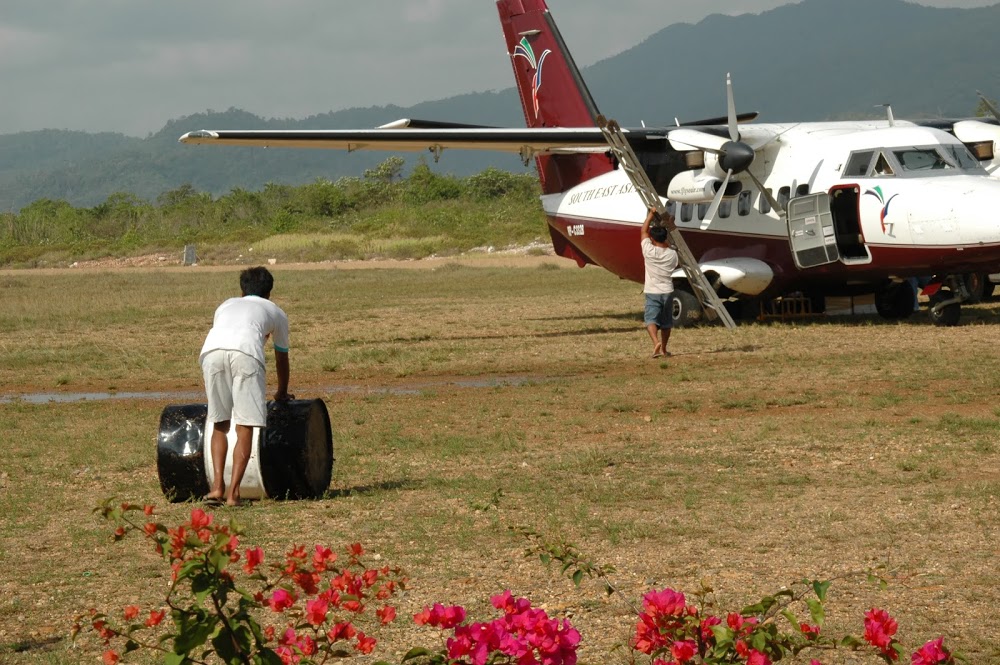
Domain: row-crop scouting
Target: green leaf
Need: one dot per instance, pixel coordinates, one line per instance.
(792, 619)
(268, 657)
(131, 645)
(577, 577)
(545, 558)
(178, 659)
(821, 588)
(851, 641)
(416, 652)
(816, 611)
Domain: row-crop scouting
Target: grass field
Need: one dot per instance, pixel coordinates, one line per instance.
(746, 461)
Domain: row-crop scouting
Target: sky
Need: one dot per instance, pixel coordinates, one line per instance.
(129, 66)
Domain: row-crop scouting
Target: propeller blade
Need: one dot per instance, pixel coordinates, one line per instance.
(716, 202)
(734, 131)
(989, 105)
(687, 139)
(770, 199)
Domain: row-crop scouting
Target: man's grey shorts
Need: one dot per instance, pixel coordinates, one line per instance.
(236, 386)
(659, 309)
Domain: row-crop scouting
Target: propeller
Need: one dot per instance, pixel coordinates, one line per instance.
(989, 105)
(734, 155)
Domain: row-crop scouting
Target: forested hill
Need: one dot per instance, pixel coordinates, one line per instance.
(816, 60)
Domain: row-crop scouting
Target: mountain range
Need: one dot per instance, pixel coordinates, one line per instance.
(816, 60)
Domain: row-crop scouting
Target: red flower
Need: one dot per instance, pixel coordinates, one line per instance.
(707, 636)
(355, 550)
(110, 657)
(322, 558)
(757, 658)
(365, 644)
(879, 629)
(131, 612)
(342, 631)
(155, 618)
(148, 510)
(810, 632)
(316, 611)
(280, 600)
(150, 528)
(386, 615)
(199, 519)
(307, 581)
(683, 651)
(254, 557)
(932, 653)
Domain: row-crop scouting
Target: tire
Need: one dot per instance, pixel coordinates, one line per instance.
(948, 316)
(687, 309)
(978, 285)
(895, 301)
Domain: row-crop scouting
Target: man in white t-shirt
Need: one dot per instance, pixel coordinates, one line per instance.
(661, 262)
(232, 361)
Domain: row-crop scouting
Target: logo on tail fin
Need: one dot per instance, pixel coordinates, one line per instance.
(525, 51)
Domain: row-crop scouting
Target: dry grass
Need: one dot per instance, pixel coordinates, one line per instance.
(747, 460)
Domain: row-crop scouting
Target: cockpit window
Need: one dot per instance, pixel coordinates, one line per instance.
(921, 159)
(883, 167)
(961, 157)
(857, 165)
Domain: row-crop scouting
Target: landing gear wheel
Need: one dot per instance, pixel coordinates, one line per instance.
(947, 315)
(686, 309)
(895, 301)
(978, 285)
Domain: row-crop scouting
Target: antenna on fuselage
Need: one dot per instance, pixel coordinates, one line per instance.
(888, 112)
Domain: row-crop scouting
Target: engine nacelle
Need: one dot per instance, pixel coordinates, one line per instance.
(693, 187)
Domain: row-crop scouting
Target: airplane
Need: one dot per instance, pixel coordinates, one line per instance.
(811, 208)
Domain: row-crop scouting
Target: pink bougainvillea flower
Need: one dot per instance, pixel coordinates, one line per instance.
(815, 662)
(341, 631)
(683, 651)
(809, 631)
(280, 600)
(307, 581)
(355, 550)
(879, 629)
(254, 557)
(150, 528)
(932, 653)
(758, 658)
(155, 618)
(148, 509)
(200, 519)
(322, 558)
(130, 612)
(440, 616)
(365, 644)
(316, 611)
(664, 603)
(707, 636)
(110, 657)
(386, 614)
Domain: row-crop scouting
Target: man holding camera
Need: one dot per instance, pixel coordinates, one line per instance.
(661, 262)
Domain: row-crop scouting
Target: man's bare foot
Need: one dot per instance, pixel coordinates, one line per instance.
(214, 497)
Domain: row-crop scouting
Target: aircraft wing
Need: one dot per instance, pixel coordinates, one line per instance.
(417, 135)
(525, 142)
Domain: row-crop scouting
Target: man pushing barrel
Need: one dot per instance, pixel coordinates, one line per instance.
(232, 360)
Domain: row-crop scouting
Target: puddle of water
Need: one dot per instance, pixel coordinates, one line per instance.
(197, 397)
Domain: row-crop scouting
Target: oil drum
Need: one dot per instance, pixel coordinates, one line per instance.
(291, 458)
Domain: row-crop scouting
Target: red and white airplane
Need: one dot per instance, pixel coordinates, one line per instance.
(817, 208)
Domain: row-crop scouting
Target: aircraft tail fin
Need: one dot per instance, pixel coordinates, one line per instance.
(552, 91)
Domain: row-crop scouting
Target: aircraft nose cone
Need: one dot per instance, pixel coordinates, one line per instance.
(736, 156)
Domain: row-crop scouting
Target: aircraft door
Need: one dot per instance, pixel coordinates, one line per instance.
(810, 230)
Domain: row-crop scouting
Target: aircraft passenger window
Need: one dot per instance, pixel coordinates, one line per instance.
(857, 165)
(783, 195)
(671, 208)
(743, 203)
(764, 205)
(702, 210)
(882, 166)
(725, 208)
(802, 190)
(686, 210)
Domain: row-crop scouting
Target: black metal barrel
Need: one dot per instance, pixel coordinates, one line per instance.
(295, 452)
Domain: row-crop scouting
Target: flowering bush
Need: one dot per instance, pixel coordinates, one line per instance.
(304, 609)
(308, 606)
(523, 635)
